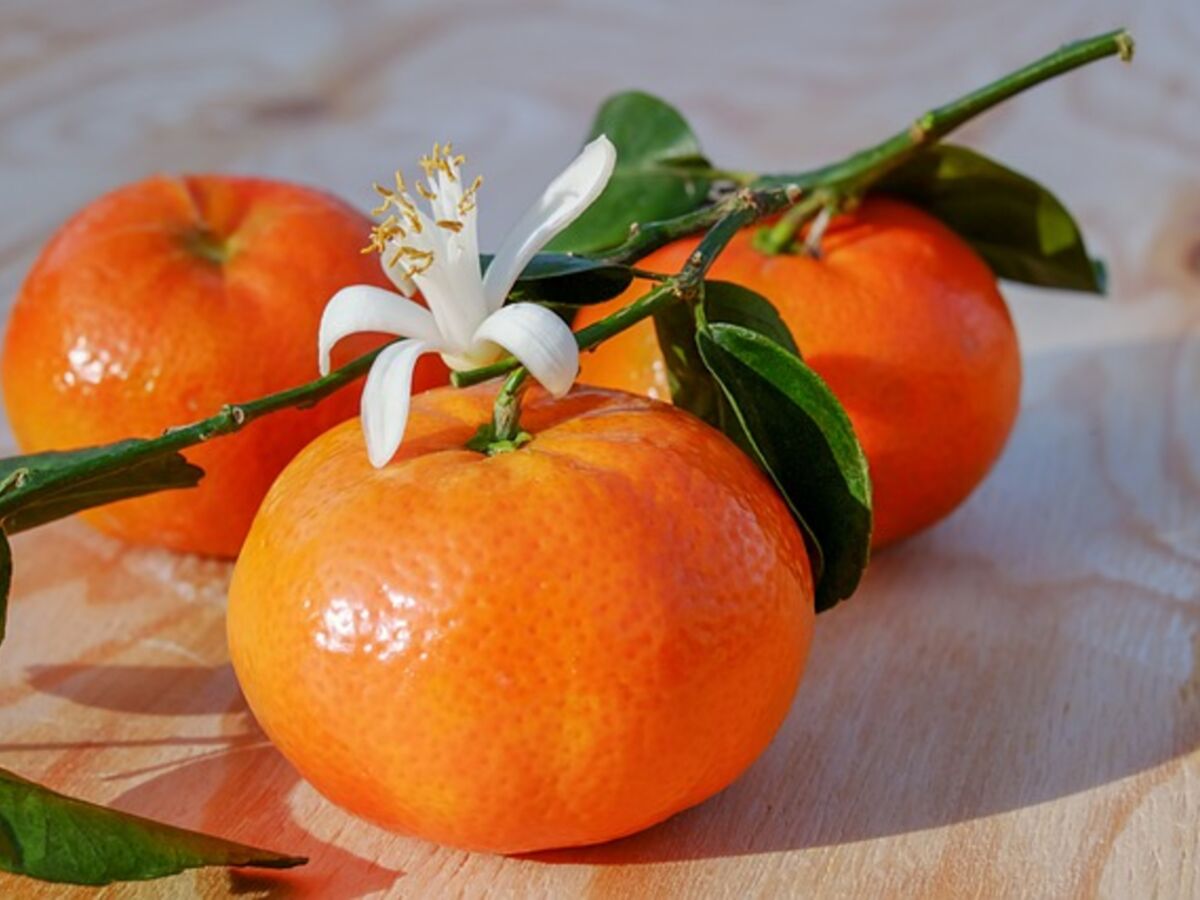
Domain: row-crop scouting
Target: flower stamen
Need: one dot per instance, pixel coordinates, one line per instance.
(419, 260)
(406, 219)
(443, 159)
(467, 203)
(382, 234)
(398, 197)
(463, 316)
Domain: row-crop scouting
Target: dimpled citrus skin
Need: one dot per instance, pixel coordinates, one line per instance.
(549, 647)
(905, 323)
(127, 325)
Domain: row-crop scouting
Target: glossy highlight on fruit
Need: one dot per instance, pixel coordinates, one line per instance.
(165, 299)
(553, 646)
(905, 323)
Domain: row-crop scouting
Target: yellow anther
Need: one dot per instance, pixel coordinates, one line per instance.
(397, 197)
(387, 230)
(431, 162)
(419, 260)
(442, 159)
(467, 203)
(387, 196)
(406, 219)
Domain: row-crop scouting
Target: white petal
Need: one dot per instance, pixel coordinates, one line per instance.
(454, 292)
(366, 308)
(397, 273)
(449, 192)
(539, 339)
(566, 197)
(386, 397)
(451, 285)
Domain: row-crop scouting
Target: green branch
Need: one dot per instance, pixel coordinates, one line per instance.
(28, 485)
(721, 220)
(807, 193)
(851, 176)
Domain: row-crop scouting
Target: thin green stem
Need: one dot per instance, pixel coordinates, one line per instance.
(766, 195)
(649, 236)
(506, 418)
(857, 171)
(232, 417)
(852, 175)
(601, 330)
(808, 192)
(738, 210)
(779, 236)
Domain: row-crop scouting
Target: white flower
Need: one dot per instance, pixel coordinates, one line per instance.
(466, 320)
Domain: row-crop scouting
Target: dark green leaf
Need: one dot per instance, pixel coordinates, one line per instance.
(692, 386)
(49, 836)
(1021, 229)
(802, 437)
(5, 582)
(660, 172)
(733, 304)
(42, 487)
(563, 279)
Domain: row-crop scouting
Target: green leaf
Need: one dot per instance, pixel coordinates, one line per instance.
(792, 425)
(733, 304)
(41, 487)
(660, 172)
(53, 837)
(1021, 229)
(6, 571)
(803, 439)
(692, 386)
(563, 279)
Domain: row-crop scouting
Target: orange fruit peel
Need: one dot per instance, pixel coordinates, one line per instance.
(554, 646)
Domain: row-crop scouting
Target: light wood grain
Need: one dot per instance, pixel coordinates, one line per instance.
(1010, 706)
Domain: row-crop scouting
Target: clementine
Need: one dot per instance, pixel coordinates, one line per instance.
(905, 323)
(553, 646)
(165, 299)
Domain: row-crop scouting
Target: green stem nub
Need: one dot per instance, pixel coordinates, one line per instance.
(206, 245)
(780, 237)
(504, 434)
(485, 441)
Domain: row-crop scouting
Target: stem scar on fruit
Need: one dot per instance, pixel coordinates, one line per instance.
(436, 253)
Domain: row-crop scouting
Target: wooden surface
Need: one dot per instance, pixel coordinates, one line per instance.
(1010, 706)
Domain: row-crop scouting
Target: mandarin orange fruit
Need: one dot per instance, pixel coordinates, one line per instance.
(905, 323)
(165, 299)
(553, 646)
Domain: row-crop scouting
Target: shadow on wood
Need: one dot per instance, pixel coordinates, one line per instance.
(145, 690)
(1004, 659)
(242, 792)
